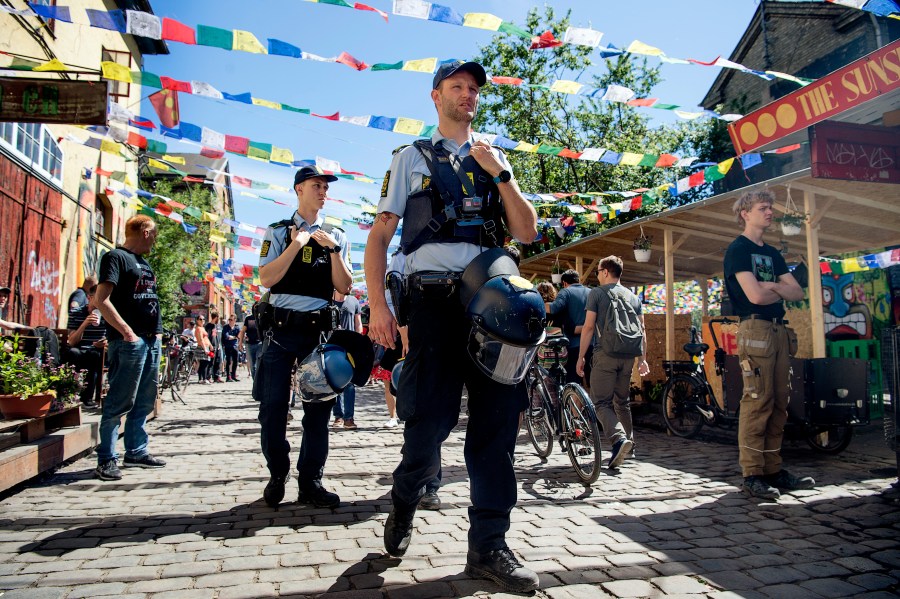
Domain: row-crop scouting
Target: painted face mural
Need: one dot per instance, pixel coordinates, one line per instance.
(846, 318)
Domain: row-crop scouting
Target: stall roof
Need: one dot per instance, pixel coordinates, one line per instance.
(851, 216)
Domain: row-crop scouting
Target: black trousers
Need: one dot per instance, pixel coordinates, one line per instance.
(231, 361)
(429, 398)
(272, 388)
(90, 360)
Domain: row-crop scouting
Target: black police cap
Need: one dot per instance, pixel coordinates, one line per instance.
(308, 172)
(450, 68)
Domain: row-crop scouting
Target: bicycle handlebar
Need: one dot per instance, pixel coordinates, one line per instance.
(712, 332)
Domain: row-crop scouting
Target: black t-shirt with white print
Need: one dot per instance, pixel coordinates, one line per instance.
(134, 292)
(765, 262)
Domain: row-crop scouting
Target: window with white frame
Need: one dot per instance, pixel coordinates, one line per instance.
(34, 144)
(118, 90)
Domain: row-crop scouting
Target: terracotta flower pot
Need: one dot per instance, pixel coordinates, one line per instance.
(34, 406)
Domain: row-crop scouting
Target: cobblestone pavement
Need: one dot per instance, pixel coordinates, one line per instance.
(671, 522)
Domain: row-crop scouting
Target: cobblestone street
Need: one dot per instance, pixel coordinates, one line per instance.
(672, 522)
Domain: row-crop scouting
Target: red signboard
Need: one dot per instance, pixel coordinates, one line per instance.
(850, 86)
(855, 152)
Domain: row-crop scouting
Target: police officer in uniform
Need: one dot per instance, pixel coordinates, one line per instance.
(451, 192)
(302, 261)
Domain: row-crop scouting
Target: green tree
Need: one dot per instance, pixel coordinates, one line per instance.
(179, 257)
(534, 114)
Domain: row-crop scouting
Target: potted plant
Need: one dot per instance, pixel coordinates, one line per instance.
(642, 246)
(791, 222)
(556, 271)
(68, 386)
(26, 386)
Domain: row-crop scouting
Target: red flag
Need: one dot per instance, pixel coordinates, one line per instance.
(242, 181)
(211, 153)
(696, 179)
(666, 160)
(176, 85)
(567, 153)
(165, 103)
(544, 40)
(137, 140)
(174, 31)
(236, 145)
(506, 80)
(351, 62)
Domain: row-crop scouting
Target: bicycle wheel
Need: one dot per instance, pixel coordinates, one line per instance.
(582, 433)
(537, 420)
(831, 440)
(680, 406)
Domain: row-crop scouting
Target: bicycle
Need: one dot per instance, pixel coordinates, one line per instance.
(689, 401)
(178, 366)
(563, 411)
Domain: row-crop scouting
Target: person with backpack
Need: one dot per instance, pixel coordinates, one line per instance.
(613, 312)
(568, 309)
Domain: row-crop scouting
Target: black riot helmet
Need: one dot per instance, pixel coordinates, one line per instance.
(508, 316)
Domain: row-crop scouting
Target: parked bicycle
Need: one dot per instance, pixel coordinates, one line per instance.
(689, 401)
(177, 367)
(562, 411)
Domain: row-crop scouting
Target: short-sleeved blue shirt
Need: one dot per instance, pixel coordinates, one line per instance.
(274, 244)
(408, 174)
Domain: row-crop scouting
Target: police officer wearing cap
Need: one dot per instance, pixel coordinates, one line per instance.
(302, 261)
(454, 194)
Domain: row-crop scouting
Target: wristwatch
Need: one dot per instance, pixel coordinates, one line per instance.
(504, 177)
(335, 250)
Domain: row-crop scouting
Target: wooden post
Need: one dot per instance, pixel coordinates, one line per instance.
(670, 294)
(704, 295)
(579, 266)
(817, 312)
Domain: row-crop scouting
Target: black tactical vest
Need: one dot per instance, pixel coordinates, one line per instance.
(436, 213)
(310, 272)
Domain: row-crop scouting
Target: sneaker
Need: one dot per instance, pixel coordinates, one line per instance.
(145, 461)
(430, 501)
(90, 404)
(348, 423)
(235, 379)
(398, 531)
(338, 423)
(218, 380)
(392, 423)
(108, 470)
(319, 497)
(274, 491)
(786, 481)
(502, 567)
(620, 451)
(756, 486)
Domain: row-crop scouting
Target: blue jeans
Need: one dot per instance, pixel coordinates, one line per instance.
(253, 357)
(346, 401)
(133, 369)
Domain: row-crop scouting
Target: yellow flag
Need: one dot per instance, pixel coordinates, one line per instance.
(333, 220)
(725, 166)
(210, 217)
(110, 147)
(175, 159)
(422, 65)
(115, 72)
(216, 236)
(638, 47)
(266, 103)
(525, 147)
(281, 155)
(482, 20)
(53, 65)
(247, 42)
(851, 265)
(630, 158)
(157, 164)
(566, 87)
(408, 126)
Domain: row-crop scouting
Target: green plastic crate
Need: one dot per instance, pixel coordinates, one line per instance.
(869, 350)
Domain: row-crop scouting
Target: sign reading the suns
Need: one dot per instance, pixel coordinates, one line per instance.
(850, 86)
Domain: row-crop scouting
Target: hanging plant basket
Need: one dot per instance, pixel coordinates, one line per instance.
(789, 229)
(556, 277)
(33, 406)
(642, 255)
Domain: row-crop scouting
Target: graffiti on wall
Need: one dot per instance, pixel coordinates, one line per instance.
(43, 278)
(856, 305)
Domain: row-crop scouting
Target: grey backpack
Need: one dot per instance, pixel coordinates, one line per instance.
(622, 333)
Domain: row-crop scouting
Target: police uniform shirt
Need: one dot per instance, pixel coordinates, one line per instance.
(274, 244)
(409, 174)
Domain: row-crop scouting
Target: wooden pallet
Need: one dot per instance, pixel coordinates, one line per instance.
(25, 430)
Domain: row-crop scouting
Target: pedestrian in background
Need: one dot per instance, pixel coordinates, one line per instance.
(351, 320)
(249, 335)
(230, 334)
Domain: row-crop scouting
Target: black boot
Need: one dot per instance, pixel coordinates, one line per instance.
(502, 567)
(274, 492)
(398, 530)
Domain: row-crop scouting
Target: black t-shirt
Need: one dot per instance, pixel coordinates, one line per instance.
(134, 292)
(213, 331)
(252, 334)
(765, 262)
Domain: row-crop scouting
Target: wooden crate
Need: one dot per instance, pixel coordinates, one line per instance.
(656, 345)
(13, 432)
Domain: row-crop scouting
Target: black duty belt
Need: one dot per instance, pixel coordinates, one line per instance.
(780, 321)
(425, 280)
(316, 320)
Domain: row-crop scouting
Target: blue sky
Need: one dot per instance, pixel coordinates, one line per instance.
(701, 29)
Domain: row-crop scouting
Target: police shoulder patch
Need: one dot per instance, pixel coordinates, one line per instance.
(264, 250)
(426, 181)
(384, 186)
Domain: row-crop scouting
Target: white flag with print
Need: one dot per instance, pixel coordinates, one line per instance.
(143, 24)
